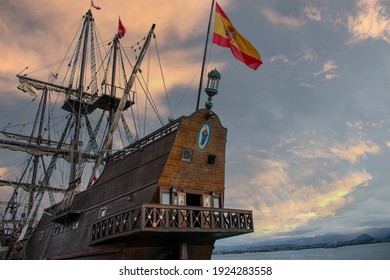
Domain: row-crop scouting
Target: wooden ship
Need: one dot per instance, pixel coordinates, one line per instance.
(160, 197)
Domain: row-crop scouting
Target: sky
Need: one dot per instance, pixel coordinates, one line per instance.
(308, 132)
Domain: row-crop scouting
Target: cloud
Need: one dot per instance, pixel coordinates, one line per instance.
(329, 65)
(336, 192)
(308, 54)
(276, 18)
(360, 125)
(274, 176)
(279, 57)
(46, 30)
(310, 152)
(330, 76)
(328, 70)
(283, 202)
(304, 179)
(307, 85)
(370, 22)
(355, 149)
(312, 13)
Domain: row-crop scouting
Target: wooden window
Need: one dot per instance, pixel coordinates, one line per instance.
(211, 159)
(206, 200)
(75, 224)
(165, 198)
(181, 199)
(186, 154)
(216, 203)
(174, 198)
(102, 212)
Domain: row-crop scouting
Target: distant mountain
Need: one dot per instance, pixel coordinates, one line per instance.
(379, 233)
(363, 238)
(332, 239)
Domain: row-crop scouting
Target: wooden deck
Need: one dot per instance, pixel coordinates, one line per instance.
(171, 219)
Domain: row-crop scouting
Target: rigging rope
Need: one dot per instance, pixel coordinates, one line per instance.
(162, 75)
(75, 58)
(150, 98)
(145, 91)
(93, 61)
(132, 99)
(133, 115)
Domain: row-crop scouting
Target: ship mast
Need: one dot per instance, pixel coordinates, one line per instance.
(38, 147)
(37, 158)
(115, 121)
(75, 156)
(81, 100)
(17, 218)
(204, 56)
(113, 89)
(79, 108)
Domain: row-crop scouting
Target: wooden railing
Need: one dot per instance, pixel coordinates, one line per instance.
(156, 135)
(168, 218)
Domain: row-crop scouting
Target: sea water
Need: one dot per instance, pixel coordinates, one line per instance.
(377, 251)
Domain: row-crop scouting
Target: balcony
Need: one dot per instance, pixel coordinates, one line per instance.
(171, 219)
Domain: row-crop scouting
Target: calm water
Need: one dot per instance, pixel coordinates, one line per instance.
(379, 251)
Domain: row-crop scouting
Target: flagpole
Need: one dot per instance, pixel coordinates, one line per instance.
(204, 56)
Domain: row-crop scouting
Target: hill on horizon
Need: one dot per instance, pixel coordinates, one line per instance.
(368, 235)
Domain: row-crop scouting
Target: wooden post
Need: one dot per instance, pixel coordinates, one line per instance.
(183, 251)
(204, 57)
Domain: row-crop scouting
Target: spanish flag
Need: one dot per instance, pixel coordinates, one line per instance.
(225, 35)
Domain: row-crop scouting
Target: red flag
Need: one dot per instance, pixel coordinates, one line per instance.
(226, 35)
(95, 176)
(93, 5)
(121, 29)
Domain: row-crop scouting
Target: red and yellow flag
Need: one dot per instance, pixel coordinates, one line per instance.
(225, 35)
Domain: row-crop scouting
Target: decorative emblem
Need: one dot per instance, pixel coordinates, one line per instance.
(231, 34)
(203, 137)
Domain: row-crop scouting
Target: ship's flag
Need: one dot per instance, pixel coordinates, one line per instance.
(95, 176)
(96, 7)
(226, 35)
(121, 29)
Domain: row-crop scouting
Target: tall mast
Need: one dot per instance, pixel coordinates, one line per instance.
(11, 213)
(37, 157)
(76, 137)
(114, 124)
(116, 40)
(204, 56)
(113, 89)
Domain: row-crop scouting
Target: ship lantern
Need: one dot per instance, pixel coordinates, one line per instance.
(212, 86)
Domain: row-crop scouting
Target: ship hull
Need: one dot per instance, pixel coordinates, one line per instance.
(150, 247)
(145, 231)
(161, 198)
